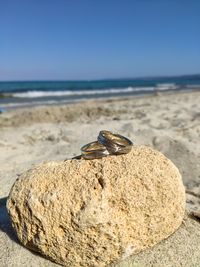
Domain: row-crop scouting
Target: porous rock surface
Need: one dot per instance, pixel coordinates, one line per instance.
(96, 212)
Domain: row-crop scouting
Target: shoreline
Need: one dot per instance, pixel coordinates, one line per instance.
(99, 106)
(7, 104)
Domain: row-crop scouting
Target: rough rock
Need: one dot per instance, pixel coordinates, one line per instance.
(96, 212)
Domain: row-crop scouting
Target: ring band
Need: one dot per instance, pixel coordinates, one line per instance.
(107, 143)
(115, 143)
(94, 150)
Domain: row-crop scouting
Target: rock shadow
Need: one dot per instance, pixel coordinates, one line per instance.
(5, 223)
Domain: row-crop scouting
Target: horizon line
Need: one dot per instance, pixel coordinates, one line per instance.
(103, 79)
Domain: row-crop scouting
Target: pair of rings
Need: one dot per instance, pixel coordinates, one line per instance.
(107, 143)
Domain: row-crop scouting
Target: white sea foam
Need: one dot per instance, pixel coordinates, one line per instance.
(166, 86)
(193, 86)
(36, 94)
(36, 103)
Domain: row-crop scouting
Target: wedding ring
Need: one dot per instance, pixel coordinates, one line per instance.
(107, 143)
(115, 143)
(94, 150)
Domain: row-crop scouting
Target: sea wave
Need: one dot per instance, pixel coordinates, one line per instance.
(166, 86)
(37, 94)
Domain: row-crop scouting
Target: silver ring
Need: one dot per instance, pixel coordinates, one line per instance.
(115, 143)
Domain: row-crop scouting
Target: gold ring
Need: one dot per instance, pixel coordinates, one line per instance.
(94, 150)
(115, 143)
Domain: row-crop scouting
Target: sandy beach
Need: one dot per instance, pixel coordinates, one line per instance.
(168, 122)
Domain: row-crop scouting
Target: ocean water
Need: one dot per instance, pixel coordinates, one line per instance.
(16, 94)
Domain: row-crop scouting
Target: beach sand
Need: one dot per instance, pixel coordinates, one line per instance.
(169, 122)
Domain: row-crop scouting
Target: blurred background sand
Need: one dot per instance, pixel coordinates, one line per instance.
(169, 122)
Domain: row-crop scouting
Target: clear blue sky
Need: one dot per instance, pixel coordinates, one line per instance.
(82, 39)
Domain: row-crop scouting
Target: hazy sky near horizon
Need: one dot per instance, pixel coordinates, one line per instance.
(82, 39)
